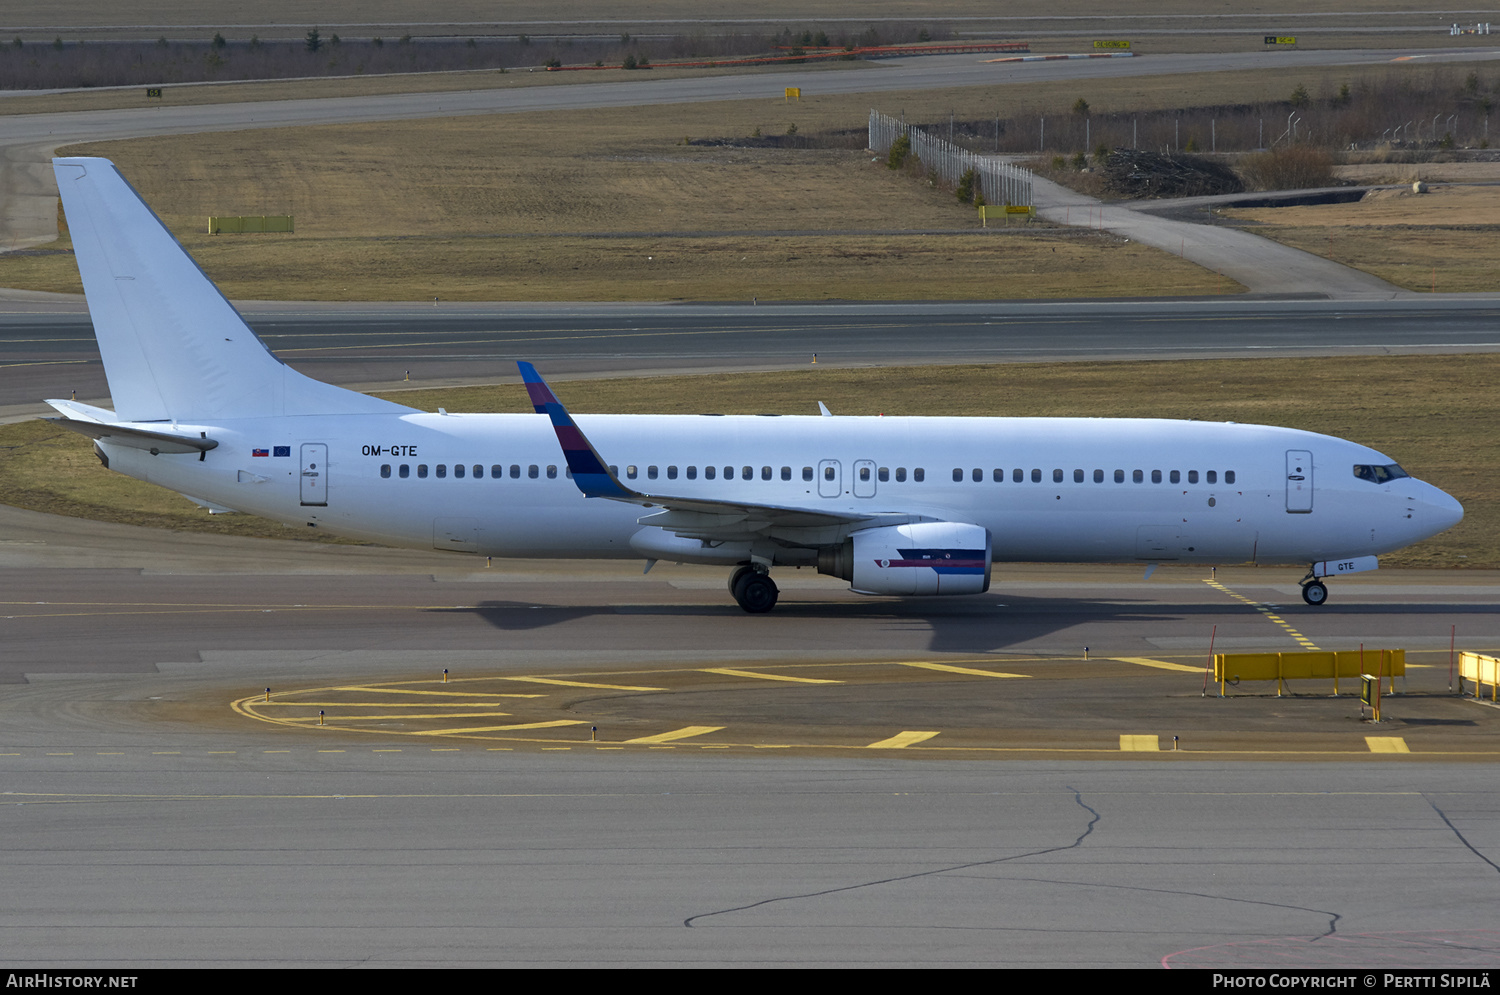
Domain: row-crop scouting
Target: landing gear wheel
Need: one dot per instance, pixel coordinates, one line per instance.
(1315, 593)
(738, 575)
(756, 593)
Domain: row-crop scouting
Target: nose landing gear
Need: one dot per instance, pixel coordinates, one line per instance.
(753, 589)
(1314, 592)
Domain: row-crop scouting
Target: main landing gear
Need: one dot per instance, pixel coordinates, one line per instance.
(753, 589)
(1314, 591)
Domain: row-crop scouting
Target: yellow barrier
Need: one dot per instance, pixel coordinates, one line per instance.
(1481, 670)
(794, 93)
(250, 223)
(987, 211)
(1280, 667)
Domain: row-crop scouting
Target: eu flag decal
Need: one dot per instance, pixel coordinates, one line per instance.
(283, 451)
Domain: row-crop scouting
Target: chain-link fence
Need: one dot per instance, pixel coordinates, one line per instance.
(1001, 183)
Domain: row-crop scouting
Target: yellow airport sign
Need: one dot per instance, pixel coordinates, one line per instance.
(1112, 43)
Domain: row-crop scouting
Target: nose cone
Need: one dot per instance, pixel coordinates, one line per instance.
(1438, 509)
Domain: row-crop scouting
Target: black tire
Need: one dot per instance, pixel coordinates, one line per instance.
(756, 593)
(1315, 593)
(738, 574)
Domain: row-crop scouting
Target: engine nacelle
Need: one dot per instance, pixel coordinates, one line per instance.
(924, 558)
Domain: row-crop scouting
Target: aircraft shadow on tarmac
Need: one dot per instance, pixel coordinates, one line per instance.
(978, 624)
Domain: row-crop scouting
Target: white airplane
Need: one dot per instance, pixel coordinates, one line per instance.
(901, 506)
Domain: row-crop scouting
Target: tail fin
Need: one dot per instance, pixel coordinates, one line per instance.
(173, 346)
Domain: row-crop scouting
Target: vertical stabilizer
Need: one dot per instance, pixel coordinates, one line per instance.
(173, 346)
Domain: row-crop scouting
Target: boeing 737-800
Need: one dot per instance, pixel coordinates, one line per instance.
(898, 506)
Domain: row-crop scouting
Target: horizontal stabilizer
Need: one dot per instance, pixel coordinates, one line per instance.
(138, 438)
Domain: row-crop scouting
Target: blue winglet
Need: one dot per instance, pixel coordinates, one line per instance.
(590, 473)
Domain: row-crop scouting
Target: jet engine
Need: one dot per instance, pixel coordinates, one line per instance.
(923, 558)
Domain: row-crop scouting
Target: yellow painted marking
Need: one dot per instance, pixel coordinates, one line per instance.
(1142, 661)
(444, 749)
(1386, 744)
(59, 754)
(1268, 613)
(581, 684)
(216, 753)
(948, 668)
(524, 725)
(385, 751)
(330, 751)
(97, 754)
(1139, 744)
(276, 751)
(473, 702)
(166, 753)
(901, 740)
(434, 715)
(442, 694)
(676, 734)
(731, 672)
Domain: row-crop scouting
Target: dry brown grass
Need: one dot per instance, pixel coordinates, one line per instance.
(474, 208)
(1439, 416)
(1443, 240)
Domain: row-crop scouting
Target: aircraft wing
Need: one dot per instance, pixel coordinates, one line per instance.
(694, 517)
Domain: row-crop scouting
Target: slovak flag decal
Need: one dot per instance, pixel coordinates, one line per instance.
(260, 452)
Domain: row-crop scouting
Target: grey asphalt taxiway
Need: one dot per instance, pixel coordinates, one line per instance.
(47, 347)
(628, 770)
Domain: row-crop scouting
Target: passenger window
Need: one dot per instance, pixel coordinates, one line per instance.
(1098, 476)
(729, 473)
(1192, 476)
(1077, 476)
(746, 473)
(1156, 476)
(918, 475)
(405, 471)
(671, 473)
(532, 471)
(978, 475)
(1212, 476)
(568, 472)
(458, 471)
(900, 474)
(497, 471)
(1036, 475)
(786, 473)
(807, 473)
(884, 474)
(958, 475)
(1136, 476)
(614, 471)
(999, 476)
(765, 473)
(1176, 477)
(385, 469)
(1119, 476)
(709, 472)
(515, 471)
(442, 470)
(692, 473)
(1228, 476)
(478, 471)
(864, 474)
(551, 472)
(1057, 476)
(650, 473)
(422, 470)
(630, 472)
(828, 473)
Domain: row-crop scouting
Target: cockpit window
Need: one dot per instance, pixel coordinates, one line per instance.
(1379, 474)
